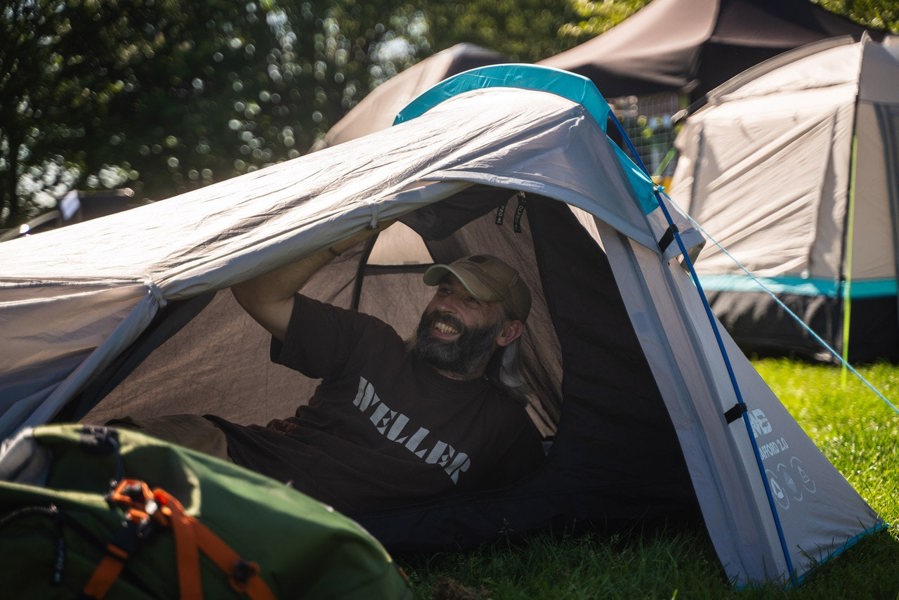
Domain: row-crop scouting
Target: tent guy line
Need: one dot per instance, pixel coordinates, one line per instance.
(845, 364)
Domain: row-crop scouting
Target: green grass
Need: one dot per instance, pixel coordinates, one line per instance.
(856, 430)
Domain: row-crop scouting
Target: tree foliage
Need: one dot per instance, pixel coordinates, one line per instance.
(595, 18)
(164, 96)
(167, 95)
(523, 30)
(876, 14)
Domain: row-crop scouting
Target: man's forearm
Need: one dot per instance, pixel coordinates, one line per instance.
(280, 283)
(268, 298)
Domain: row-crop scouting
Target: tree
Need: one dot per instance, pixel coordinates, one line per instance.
(876, 14)
(595, 18)
(51, 91)
(523, 30)
(165, 96)
(93, 94)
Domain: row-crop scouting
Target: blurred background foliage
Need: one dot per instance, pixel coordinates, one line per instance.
(164, 96)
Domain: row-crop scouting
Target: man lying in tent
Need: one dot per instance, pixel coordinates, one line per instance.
(392, 421)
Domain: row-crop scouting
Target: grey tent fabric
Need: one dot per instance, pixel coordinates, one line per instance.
(791, 168)
(691, 46)
(131, 313)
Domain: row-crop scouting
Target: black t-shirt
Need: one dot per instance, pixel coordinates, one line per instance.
(383, 428)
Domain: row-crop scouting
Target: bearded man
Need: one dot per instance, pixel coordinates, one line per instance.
(392, 422)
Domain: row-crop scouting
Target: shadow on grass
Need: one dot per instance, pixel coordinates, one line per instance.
(651, 565)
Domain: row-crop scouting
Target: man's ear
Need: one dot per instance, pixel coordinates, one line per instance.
(512, 330)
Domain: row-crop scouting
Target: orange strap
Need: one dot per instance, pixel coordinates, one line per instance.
(105, 573)
(119, 549)
(191, 536)
(242, 575)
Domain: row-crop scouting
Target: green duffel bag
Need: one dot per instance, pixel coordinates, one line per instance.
(92, 512)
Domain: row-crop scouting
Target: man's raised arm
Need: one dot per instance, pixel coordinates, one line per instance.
(268, 298)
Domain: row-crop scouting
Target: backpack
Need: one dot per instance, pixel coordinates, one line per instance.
(93, 512)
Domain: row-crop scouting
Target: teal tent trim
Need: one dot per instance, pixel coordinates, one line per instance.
(573, 87)
(643, 186)
(532, 77)
(861, 289)
(846, 546)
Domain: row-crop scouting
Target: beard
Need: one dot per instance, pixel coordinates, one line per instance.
(463, 356)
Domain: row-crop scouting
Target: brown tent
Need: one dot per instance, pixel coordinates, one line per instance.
(691, 46)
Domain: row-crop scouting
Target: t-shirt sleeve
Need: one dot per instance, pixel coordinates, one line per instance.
(322, 340)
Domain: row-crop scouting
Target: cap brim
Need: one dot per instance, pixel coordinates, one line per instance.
(471, 281)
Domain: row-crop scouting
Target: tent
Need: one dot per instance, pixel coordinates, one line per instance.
(691, 46)
(378, 108)
(646, 419)
(793, 167)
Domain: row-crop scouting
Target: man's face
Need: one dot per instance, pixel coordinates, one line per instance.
(458, 333)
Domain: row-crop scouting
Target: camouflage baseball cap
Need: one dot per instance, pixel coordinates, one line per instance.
(488, 279)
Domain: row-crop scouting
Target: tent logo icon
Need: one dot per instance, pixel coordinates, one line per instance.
(792, 480)
(777, 490)
(807, 482)
(760, 423)
(789, 482)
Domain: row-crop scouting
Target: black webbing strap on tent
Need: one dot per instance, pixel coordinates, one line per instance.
(519, 211)
(668, 237)
(735, 412)
(501, 212)
(360, 270)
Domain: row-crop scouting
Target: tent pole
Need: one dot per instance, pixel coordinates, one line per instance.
(847, 267)
(360, 271)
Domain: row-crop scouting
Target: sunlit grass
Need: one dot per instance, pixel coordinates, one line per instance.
(857, 431)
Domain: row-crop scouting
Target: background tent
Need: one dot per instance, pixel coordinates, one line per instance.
(794, 168)
(671, 52)
(130, 314)
(669, 46)
(691, 46)
(378, 108)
